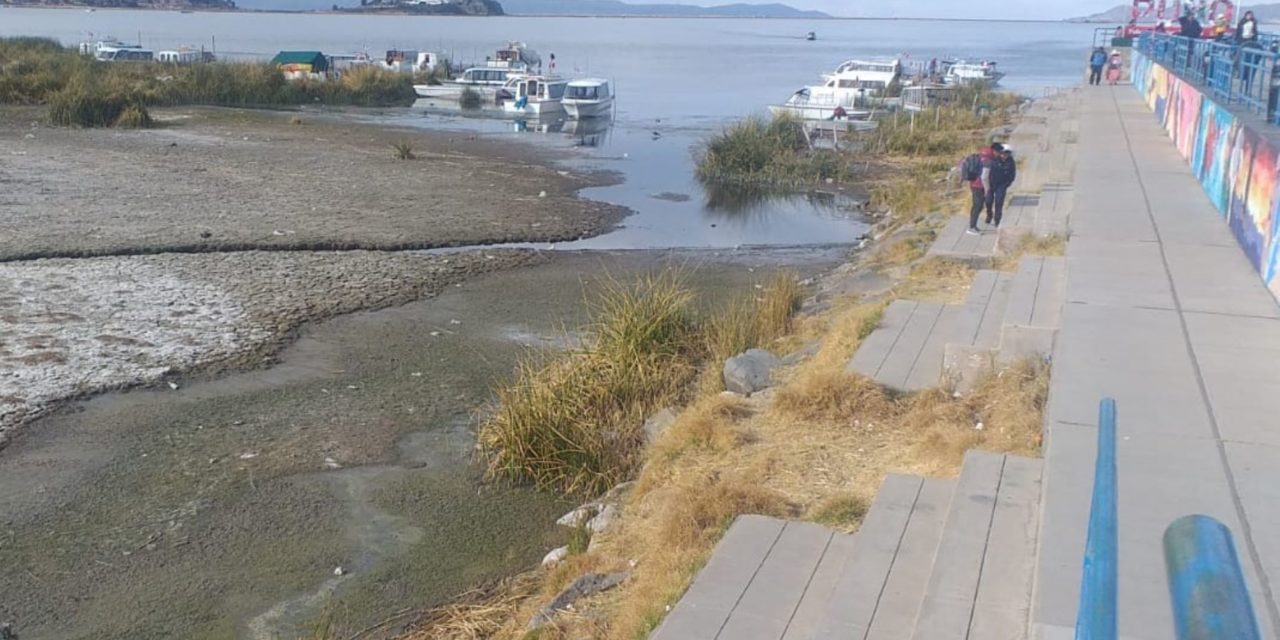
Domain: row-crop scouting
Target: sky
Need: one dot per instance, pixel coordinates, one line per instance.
(1041, 10)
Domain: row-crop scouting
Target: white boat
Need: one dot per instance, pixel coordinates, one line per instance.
(124, 53)
(410, 61)
(514, 59)
(532, 95)
(184, 55)
(981, 73)
(846, 91)
(588, 98)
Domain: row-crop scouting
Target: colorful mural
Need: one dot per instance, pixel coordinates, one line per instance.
(1237, 167)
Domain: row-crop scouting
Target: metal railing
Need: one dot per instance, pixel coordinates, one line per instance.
(1206, 585)
(1098, 588)
(1245, 75)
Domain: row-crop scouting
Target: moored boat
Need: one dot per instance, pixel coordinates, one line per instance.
(514, 59)
(959, 72)
(588, 98)
(845, 94)
(532, 95)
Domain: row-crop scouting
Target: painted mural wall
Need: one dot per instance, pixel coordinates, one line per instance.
(1236, 166)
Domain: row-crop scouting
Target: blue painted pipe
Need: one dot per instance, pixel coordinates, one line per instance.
(1210, 600)
(1096, 619)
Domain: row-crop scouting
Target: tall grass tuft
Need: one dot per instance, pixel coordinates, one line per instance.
(403, 150)
(574, 423)
(769, 152)
(38, 71)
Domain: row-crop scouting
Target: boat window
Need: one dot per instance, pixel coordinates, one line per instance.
(555, 91)
(848, 84)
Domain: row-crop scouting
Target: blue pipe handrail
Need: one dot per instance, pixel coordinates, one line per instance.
(1206, 585)
(1098, 589)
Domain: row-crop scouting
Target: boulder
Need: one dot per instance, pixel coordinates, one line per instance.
(603, 520)
(554, 556)
(658, 423)
(586, 585)
(750, 371)
(579, 516)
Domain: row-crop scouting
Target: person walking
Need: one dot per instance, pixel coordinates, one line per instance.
(1115, 68)
(1097, 60)
(1004, 170)
(976, 170)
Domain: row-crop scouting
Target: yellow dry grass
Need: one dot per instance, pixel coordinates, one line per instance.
(1032, 245)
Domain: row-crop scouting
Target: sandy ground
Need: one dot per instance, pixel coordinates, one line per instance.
(71, 327)
(218, 179)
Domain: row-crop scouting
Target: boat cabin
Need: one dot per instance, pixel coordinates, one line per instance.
(123, 53)
(180, 56)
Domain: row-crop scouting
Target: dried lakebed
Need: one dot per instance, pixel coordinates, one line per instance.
(222, 508)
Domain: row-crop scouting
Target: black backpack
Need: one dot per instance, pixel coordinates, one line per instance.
(971, 167)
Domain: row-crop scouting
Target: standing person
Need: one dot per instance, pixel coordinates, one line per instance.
(1004, 170)
(1115, 68)
(1097, 60)
(975, 169)
(1247, 29)
(1188, 25)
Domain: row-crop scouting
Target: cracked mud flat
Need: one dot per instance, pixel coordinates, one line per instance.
(72, 327)
(223, 179)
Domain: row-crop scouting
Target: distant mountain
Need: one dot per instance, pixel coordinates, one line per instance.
(617, 8)
(1119, 14)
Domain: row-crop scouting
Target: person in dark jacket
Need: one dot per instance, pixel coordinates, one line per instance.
(1247, 29)
(1097, 60)
(979, 187)
(1004, 170)
(1190, 26)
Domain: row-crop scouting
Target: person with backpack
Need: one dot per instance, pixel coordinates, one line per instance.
(1097, 60)
(975, 169)
(1004, 170)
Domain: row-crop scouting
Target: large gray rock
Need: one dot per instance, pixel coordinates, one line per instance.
(603, 520)
(658, 423)
(586, 585)
(580, 516)
(750, 371)
(554, 556)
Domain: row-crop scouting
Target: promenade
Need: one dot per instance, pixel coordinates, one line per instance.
(1161, 311)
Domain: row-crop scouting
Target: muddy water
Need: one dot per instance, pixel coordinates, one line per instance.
(222, 509)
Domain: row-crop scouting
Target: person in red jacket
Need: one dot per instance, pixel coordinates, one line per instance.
(979, 187)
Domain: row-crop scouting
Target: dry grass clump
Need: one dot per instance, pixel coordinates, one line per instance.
(835, 395)
(1033, 245)
(843, 511)
(936, 280)
(573, 423)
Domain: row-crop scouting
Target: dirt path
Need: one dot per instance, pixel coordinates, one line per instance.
(222, 179)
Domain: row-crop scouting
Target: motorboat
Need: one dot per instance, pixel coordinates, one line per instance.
(588, 98)
(532, 95)
(124, 53)
(982, 73)
(811, 36)
(512, 60)
(183, 55)
(847, 93)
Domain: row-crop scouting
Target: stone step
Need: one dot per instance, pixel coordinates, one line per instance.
(904, 587)
(848, 609)
(1003, 604)
(1034, 311)
(948, 603)
(953, 243)
(892, 354)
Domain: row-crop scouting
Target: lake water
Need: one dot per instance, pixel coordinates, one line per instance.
(678, 80)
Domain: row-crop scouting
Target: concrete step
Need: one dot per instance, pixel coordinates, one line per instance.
(904, 587)
(893, 353)
(953, 243)
(1003, 604)
(948, 604)
(1034, 312)
(849, 607)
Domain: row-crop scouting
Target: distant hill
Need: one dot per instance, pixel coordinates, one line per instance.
(204, 5)
(617, 8)
(1119, 14)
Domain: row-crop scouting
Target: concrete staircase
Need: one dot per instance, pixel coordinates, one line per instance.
(1006, 316)
(934, 559)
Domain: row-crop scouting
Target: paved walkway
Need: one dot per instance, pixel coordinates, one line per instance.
(1165, 314)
